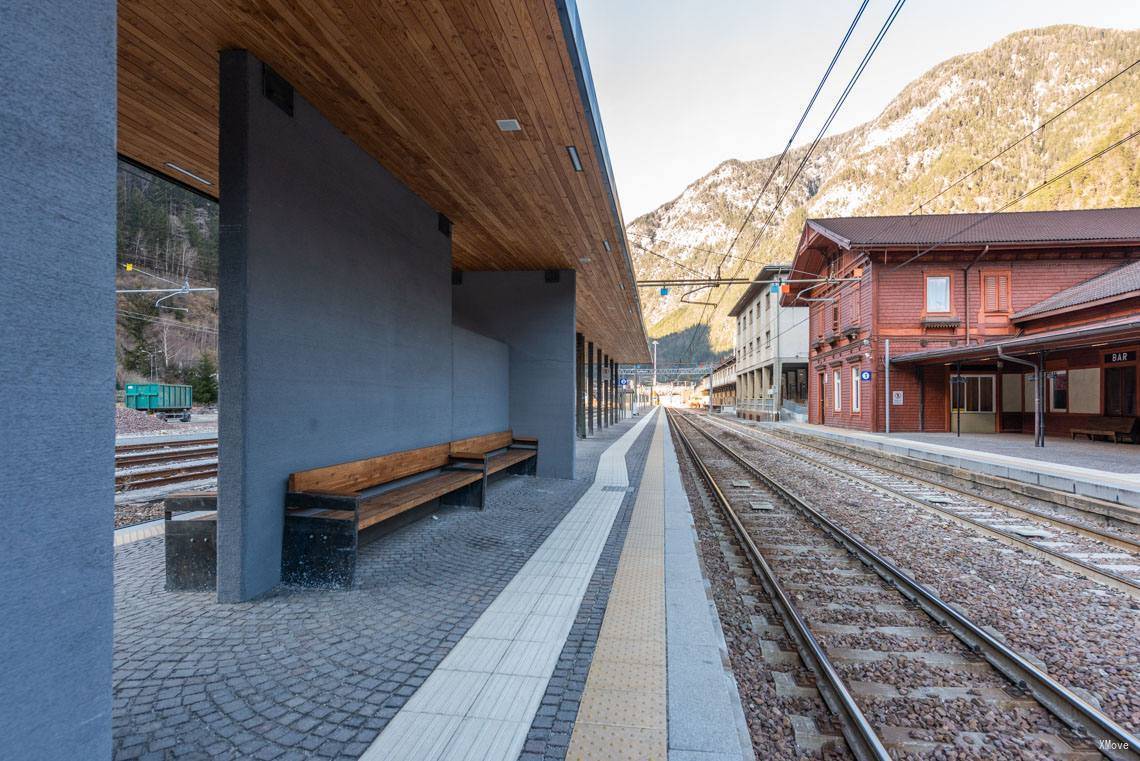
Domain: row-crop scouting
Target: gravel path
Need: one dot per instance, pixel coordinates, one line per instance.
(1087, 636)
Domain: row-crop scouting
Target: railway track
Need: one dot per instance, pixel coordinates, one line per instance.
(905, 674)
(190, 460)
(1103, 556)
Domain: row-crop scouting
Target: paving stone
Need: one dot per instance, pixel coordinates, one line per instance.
(203, 680)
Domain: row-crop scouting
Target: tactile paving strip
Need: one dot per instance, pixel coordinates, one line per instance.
(623, 709)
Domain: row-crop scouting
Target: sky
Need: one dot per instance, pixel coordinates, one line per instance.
(685, 84)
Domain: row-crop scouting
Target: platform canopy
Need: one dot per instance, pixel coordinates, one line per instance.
(420, 86)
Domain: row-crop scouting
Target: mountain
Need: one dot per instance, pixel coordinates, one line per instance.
(937, 129)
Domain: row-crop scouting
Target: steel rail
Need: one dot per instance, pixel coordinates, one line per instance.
(147, 479)
(132, 460)
(861, 737)
(1108, 578)
(1093, 532)
(1113, 740)
(121, 448)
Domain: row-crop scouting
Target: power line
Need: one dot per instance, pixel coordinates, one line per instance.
(827, 124)
(166, 323)
(890, 228)
(1022, 197)
(780, 159)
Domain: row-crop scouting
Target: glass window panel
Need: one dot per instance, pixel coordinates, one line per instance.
(985, 394)
(938, 294)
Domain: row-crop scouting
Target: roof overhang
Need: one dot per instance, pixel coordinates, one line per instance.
(1126, 329)
(418, 86)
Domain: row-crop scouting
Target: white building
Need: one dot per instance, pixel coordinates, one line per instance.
(771, 346)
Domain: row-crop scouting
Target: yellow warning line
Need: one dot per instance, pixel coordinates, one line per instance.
(623, 709)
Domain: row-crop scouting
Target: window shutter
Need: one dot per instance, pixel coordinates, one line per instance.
(1003, 293)
(991, 293)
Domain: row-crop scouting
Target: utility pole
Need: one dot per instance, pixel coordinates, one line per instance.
(779, 365)
(653, 388)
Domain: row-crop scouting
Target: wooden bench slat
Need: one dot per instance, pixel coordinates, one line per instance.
(509, 458)
(486, 443)
(351, 477)
(396, 501)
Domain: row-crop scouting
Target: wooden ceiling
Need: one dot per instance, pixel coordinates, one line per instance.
(418, 84)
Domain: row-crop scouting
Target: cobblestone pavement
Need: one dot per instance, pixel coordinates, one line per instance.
(549, 736)
(318, 673)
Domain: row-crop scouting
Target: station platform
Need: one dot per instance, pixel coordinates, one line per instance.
(1096, 469)
(570, 619)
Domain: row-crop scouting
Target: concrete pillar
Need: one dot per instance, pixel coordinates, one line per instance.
(533, 313)
(598, 402)
(57, 332)
(590, 388)
(607, 391)
(580, 384)
(335, 314)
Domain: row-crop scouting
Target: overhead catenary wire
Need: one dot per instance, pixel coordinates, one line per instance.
(886, 26)
(883, 236)
(780, 159)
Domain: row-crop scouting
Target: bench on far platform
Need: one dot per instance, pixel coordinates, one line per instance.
(1115, 429)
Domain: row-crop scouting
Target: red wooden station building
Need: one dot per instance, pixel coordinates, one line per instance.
(962, 321)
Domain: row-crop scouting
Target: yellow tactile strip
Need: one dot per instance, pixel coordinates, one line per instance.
(623, 709)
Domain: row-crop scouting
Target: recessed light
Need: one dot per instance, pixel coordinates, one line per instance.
(577, 162)
(606, 246)
(584, 260)
(509, 125)
(188, 173)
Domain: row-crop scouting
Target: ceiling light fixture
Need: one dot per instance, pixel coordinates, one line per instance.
(509, 125)
(584, 260)
(606, 246)
(188, 173)
(574, 159)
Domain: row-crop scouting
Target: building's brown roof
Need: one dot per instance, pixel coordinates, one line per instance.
(1113, 284)
(981, 229)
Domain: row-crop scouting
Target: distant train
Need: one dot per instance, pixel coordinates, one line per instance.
(163, 399)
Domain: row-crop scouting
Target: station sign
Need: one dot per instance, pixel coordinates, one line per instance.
(1115, 357)
(623, 382)
(865, 376)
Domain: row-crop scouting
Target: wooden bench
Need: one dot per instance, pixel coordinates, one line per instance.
(1115, 429)
(327, 508)
(191, 541)
(496, 452)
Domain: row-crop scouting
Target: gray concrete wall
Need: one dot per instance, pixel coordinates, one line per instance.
(481, 377)
(57, 378)
(335, 303)
(536, 320)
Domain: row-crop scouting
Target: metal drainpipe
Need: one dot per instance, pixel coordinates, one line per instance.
(1039, 401)
(966, 288)
(958, 384)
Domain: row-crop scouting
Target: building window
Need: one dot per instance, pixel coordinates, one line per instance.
(767, 338)
(856, 390)
(972, 393)
(995, 292)
(835, 319)
(938, 294)
(837, 392)
(1058, 390)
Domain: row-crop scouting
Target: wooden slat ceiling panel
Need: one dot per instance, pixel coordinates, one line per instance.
(418, 84)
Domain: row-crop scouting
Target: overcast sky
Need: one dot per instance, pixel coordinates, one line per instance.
(686, 84)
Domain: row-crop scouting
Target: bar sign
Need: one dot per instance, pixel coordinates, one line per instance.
(1114, 357)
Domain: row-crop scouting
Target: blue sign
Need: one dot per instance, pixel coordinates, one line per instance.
(774, 288)
(865, 376)
(623, 381)
(664, 291)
